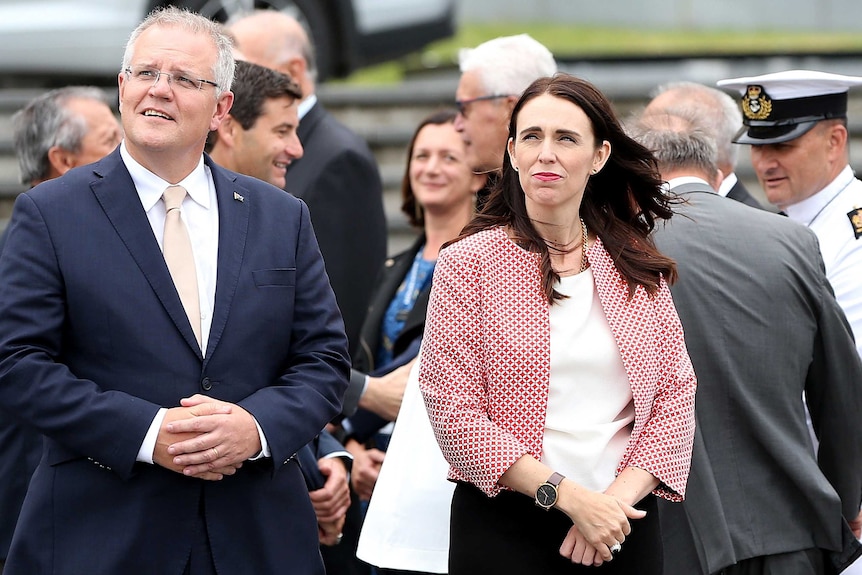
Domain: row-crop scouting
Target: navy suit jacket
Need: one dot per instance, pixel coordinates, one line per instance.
(338, 178)
(94, 340)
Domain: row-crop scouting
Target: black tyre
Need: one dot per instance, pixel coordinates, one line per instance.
(319, 24)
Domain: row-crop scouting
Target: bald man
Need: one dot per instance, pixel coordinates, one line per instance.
(337, 177)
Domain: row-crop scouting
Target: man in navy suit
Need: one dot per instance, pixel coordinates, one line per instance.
(169, 449)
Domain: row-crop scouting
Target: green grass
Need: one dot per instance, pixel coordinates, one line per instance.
(570, 42)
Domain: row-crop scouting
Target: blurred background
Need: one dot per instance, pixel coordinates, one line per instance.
(387, 63)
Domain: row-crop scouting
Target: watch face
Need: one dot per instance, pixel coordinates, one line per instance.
(546, 495)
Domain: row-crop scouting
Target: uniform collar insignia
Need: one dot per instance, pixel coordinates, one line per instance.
(855, 216)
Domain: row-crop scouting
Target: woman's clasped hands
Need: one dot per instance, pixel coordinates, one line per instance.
(600, 525)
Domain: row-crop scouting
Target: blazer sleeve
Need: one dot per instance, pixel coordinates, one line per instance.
(664, 445)
(451, 378)
(833, 390)
(315, 376)
(34, 382)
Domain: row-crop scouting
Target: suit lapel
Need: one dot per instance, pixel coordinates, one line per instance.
(233, 213)
(116, 193)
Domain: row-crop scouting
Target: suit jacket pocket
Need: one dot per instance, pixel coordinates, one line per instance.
(282, 277)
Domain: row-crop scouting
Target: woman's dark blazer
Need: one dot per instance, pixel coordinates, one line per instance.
(394, 270)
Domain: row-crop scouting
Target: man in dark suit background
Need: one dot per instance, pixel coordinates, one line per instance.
(721, 117)
(170, 434)
(762, 328)
(53, 133)
(338, 176)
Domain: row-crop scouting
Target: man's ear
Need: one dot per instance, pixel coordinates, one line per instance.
(296, 68)
(838, 137)
(227, 130)
(60, 161)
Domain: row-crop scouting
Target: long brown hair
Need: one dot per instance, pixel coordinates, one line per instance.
(620, 204)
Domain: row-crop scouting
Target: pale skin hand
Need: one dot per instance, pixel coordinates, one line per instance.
(856, 526)
(366, 468)
(383, 395)
(601, 519)
(327, 533)
(629, 487)
(331, 501)
(165, 438)
(223, 439)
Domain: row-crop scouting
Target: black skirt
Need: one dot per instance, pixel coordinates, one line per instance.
(510, 534)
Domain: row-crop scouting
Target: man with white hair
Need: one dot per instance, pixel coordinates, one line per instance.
(493, 76)
(719, 115)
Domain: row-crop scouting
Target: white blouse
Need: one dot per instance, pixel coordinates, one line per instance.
(590, 410)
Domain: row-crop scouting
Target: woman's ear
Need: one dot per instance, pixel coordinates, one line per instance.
(603, 153)
(510, 149)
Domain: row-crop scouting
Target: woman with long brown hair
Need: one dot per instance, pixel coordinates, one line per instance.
(553, 364)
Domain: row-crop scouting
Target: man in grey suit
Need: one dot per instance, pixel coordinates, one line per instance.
(762, 329)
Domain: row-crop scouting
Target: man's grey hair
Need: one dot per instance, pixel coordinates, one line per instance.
(45, 122)
(678, 141)
(508, 64)
(223, 69)
(718, 111)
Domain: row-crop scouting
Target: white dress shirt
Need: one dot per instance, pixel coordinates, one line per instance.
(200, 214)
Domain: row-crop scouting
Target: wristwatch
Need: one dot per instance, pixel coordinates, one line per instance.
(546, 494)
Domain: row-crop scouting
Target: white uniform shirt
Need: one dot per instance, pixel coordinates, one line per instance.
(826, 213)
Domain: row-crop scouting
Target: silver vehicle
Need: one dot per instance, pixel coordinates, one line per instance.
(77, 38)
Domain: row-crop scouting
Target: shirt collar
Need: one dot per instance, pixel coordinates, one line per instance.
(674, 182)
(726, 184)
(806, 210)
(306, 105)
(151, 187)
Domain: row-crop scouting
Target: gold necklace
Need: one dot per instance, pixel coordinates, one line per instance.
(583, 245)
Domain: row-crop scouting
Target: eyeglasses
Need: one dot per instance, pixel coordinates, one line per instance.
(462, 104)
(151, 76)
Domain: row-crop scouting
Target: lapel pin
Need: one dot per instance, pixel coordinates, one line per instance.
(238, 197)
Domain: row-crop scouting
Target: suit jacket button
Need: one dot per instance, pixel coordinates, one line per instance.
(206, 385)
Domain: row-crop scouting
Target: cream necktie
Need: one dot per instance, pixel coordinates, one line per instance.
(177, 249)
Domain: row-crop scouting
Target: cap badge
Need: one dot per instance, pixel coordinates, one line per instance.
(756, 104)
(856, 221)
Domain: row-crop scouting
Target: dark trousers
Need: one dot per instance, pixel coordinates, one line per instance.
(803, 562)
(341, 559)
(510, 534)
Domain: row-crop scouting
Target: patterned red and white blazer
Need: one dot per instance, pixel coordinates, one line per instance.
(485, 366)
